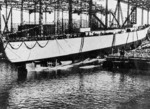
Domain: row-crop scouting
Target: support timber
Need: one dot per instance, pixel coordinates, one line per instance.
(62, 21)
(0, 19)
(116, 14)
(34, 12)
(134, 8)
(41, 18)
(128, 11)
(106, 16)
(114, 17)
(58, 17)
(29, 17)
(90, 12)
(70, 16)
(45, 16)
(148, 16)
(99, 21)
(11, 18)
(142, 17)
(22, 12)
(118, 5)
(6, 21)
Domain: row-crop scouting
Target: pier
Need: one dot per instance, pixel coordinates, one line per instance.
(117, 62)
(138, 58)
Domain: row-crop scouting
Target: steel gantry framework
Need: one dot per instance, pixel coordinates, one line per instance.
(41, 6)
(89, 7)
(143, 4)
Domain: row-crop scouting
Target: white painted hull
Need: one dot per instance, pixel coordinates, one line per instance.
(65, 47)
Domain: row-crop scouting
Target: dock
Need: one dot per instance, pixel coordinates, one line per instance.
(117, 62)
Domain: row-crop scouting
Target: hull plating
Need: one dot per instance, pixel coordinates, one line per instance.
(48, 49)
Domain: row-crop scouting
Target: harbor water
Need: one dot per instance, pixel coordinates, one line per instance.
(74, 87)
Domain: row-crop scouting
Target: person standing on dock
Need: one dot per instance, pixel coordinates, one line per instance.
(122, 52)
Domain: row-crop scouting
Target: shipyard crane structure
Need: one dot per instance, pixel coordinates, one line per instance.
(72, 6)
(142, 4)
(88, 7)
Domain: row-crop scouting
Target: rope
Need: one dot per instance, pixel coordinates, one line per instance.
(15, 54)
(5, 46)
(113, 42)
(13, 47)
(127, 40)
(68, 44)
(82, 44)
(41, 45)
(29, 55)
(114, 39)
(137, 35)
(30, 47)
(26, 45)
(133, 36)
(60, 45)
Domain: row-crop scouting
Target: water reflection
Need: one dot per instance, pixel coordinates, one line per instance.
(8, 75)
(83, 89)
(74, 88)
(22, 73)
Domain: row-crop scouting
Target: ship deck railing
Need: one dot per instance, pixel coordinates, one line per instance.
(65, 36)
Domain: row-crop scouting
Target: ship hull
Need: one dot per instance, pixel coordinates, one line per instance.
(71, 48)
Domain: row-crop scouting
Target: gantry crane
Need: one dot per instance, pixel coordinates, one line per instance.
(71, 6)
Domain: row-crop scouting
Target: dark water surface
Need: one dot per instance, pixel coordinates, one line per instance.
(74, 88)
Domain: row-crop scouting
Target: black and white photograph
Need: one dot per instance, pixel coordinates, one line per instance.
(74, 54)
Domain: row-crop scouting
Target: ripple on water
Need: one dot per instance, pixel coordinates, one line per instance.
(8, 75)
(74, 89)
(100, 89)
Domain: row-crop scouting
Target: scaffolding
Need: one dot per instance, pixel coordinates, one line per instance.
(79, 7)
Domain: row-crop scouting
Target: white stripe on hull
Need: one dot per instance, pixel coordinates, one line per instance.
(63, 47)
